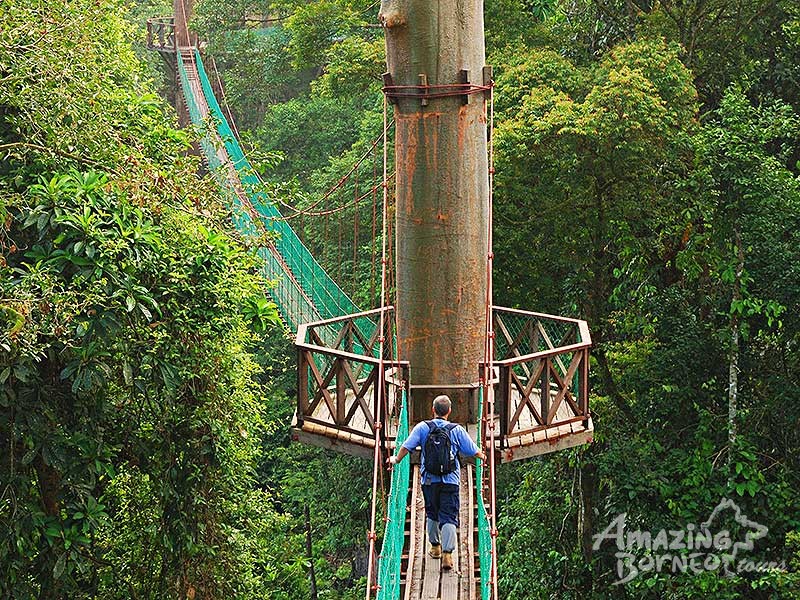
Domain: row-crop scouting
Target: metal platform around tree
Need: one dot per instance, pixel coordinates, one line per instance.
(540, 383)
(161, 35)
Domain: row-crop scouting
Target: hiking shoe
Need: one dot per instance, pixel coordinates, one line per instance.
(447, 561)
(435, 551)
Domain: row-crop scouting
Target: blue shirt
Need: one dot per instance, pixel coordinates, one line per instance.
(459, 442)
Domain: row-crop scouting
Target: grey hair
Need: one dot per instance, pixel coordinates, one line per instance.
(441, 405)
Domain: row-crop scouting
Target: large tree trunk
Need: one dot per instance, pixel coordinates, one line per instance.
(588, 482)
(733, 365)
(442, 191)
(312, 577)
(182, 11)
(182, 14)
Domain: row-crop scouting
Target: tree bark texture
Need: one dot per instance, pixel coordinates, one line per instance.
(442, 191)
(182, 11)
(312, 577)
(733, 364)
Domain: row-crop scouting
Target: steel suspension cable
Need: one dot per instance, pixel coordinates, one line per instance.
(225, 100)
(371, 569)
(373, 245)
(220, 160)
(329, 192)
(490, 350)
(354, 279)
(308, 210)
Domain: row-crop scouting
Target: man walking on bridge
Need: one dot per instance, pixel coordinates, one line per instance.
(441, 443)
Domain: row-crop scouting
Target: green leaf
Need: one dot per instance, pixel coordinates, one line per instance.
(58, 568)
(28, 457)
(147, 314)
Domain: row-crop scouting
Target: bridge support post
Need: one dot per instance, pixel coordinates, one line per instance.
(442, 190)
(182, 11)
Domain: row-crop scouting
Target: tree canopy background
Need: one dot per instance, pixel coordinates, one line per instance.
(647, 181)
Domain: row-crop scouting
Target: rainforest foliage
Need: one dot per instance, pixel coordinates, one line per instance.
(647, 158)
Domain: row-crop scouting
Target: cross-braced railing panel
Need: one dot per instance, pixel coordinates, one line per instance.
(354, 334)
(519, 333)
(161, 34)
(339, 371)
(337, 397)
(543, 365)
(548, 394)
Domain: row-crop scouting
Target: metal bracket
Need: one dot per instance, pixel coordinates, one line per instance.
(463, 79)
(388, 82)
(487, 79)
(423, 81)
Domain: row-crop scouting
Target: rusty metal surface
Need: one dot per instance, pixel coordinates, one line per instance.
(442, 192)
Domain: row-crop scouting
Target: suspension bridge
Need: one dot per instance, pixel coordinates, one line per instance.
(528, 393)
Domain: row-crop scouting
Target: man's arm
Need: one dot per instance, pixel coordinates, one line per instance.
(467, 446)
(412, 441)
(394, 459)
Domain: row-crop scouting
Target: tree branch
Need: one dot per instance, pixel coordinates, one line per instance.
(56, 151)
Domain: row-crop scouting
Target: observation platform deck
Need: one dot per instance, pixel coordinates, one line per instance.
(541, 387)
(161, 35)
(318, 429)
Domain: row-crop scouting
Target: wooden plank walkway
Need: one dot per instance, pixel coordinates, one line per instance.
(195, 91)
(424, 577)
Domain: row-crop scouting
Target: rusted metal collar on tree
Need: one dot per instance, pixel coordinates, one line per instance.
(425, 91)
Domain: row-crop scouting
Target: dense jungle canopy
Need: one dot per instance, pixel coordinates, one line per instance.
(647, 160)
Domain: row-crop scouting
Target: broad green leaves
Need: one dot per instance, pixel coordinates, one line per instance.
(743, 150)
(632, 205)
(130, 416)
(594, 147)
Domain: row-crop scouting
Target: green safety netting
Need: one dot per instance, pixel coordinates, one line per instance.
(394, 534)
(304, 291)
(484, 529)
(389, 562)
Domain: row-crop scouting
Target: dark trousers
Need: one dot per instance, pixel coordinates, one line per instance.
(441, 503)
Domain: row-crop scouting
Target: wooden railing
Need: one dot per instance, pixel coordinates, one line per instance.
(540, 377)
(161, 34)
(339, 375)
(541, 372)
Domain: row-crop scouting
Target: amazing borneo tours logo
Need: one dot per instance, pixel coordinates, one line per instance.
(708, 547)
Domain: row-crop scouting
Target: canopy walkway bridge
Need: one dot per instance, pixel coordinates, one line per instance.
(353, 394)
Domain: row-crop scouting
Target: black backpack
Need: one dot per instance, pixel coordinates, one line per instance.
(439, 458)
